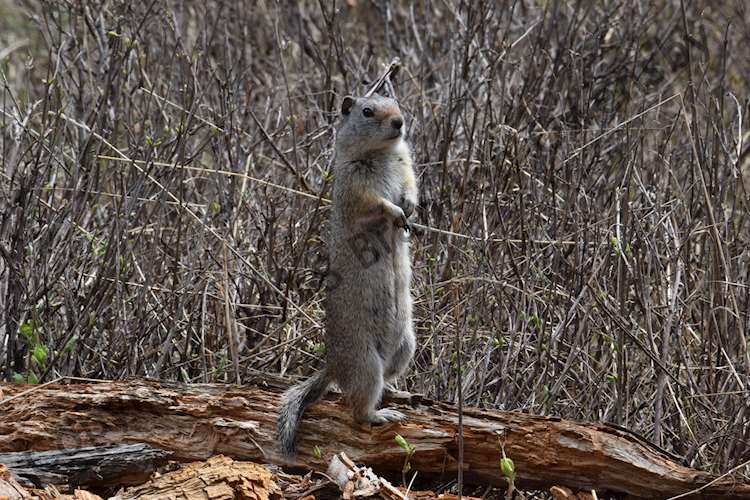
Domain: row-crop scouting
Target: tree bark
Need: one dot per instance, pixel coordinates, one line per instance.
(198, 421)
(95, 466)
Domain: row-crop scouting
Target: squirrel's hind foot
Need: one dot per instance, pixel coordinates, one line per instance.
(386, 415)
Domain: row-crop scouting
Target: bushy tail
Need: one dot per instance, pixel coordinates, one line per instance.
(293, 404)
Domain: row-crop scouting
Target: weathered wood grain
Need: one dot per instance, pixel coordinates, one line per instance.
(118, 465)
(219, 477)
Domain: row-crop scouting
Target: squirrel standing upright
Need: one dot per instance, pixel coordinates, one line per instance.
(369, 333)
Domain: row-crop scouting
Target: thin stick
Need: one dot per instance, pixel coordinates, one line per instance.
(619, 126)
(384, 79)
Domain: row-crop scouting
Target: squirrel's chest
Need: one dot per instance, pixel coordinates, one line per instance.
(385, 179)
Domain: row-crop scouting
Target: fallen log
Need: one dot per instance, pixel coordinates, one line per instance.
(95, 466)
(198, 421)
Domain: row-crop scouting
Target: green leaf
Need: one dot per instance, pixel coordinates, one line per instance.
(401, 442)
(508, 468)
(39, 354)
(27, 330)
(628, 250)
(498, 343)
(404, 444)
(18, 378)
(316, 452)
(319, 348)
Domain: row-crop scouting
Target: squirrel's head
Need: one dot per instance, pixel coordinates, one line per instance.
(368, 124)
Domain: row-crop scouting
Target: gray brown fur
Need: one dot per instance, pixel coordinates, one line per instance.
(369, 332)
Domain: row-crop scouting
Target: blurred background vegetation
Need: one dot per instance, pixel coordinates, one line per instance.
(584, 175)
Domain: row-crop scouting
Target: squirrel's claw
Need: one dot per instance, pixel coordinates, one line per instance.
(402, 221)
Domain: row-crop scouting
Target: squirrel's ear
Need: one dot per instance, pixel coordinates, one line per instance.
(346, 105)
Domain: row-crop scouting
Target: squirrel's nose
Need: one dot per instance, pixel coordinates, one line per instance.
(397, 123)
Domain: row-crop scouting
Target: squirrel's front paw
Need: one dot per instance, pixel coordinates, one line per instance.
(400, 219)
(407, 206)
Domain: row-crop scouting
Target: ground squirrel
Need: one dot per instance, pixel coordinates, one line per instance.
(369, 333)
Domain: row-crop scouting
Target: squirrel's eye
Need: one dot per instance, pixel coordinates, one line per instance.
(368, 112)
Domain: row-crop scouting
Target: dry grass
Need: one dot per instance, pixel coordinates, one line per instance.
(166, 167)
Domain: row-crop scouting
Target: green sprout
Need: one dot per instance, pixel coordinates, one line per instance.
(410, 450)
(508, 469)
